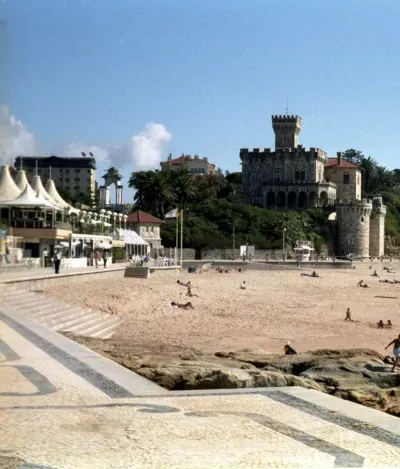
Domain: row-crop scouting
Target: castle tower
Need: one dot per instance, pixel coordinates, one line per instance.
(377, 228)
(353, 227)
(287, 129)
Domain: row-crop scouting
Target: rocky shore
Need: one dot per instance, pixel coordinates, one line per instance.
(358, 375)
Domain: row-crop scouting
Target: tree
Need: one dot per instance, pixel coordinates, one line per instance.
(153, 190)
(368, 167)
(183, 186)
(352, 155)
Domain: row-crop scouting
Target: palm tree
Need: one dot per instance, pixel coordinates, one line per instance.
(140, 181)
(384, 178)
(184, 187)
(161, 191)
(368, 167)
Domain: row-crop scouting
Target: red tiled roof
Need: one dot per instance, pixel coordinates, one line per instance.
(343, 164)
(142, 217)
(176, 161)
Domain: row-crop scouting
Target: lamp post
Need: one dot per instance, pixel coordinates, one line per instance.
(284, 244)
(125, 217)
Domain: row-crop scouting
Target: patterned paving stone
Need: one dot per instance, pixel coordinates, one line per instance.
(54, 414)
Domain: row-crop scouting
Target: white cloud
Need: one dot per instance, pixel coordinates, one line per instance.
(144, 150)
(15, 138)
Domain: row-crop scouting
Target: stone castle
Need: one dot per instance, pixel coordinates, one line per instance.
(291, 177)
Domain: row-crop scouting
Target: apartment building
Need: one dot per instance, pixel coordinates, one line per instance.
(194, 165)
(74, 175)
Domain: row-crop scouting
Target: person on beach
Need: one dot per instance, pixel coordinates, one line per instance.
(361, 284)
(396, 350)
(289, 350)
(97, 257)
(389, 324)
(243, 285)
(348, 315)
(380, 324)
(375, 274)
(105, 258)
(187, 305)
(189, 292)
(57, 262)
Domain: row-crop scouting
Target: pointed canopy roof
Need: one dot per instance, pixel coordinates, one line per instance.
(52, 191)
(28, 198)
(8, 189)
(37, 186)
(20, 179)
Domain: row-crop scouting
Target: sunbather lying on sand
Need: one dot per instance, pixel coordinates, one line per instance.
(187, 305)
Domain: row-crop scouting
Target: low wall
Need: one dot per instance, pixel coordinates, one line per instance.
(46, 281)
(146, 272)
(254, 265)
(213, 254)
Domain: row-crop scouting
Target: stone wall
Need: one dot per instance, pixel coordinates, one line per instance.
(352, 190)
(377, 235)
(353, 222)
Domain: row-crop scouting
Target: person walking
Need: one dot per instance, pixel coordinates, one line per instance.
(97, 257)
(105, 258)
(396, 350)
(57, 262)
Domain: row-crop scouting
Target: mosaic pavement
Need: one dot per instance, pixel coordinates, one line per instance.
(63, 406)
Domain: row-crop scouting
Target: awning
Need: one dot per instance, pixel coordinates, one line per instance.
(131, 237)
(103, 246)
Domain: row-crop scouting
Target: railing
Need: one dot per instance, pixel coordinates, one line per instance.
(40, 224)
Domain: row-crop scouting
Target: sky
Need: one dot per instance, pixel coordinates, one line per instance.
(135, 80)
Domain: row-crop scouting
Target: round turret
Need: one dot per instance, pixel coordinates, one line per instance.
(353, 227)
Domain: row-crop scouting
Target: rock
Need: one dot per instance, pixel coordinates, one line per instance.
(368, 395)
(393, 392)
(383, 380)
(394, 408)
(228, 378)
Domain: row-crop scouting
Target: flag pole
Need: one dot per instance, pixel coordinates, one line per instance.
(181, 238)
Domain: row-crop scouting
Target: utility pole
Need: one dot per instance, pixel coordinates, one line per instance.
(284, 244)
(233, 237)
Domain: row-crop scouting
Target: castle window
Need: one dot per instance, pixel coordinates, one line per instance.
(300, 175)
(362, 219)
(346, 178)
(277, 174)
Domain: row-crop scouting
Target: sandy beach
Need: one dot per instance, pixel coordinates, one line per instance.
(278, 305)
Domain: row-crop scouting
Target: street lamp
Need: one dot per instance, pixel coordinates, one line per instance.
(284, 244)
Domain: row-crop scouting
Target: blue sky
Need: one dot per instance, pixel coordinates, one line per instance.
(95, 72)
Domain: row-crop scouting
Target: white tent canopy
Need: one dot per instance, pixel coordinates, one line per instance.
(20, 179)
(37, 186)
(28, 198)
(131, 237)
(8, 189)
(52, 191)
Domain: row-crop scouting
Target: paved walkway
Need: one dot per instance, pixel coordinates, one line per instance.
(40, 272)
(64, 406)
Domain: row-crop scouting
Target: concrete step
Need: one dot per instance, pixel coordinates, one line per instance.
(52, 307)
(109, 334)
(63, 324)
(101, 326)
(35, 306)
(25, 305)
(15, 296)
(85, 325)
(57, 315)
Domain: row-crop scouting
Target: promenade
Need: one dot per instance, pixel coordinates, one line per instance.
(64, 406)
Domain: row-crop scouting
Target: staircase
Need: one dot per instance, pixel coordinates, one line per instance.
(58, 315)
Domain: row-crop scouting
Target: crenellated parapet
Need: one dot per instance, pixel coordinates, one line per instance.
(263, 154)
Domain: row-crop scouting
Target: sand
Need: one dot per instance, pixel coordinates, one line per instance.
(278, 305)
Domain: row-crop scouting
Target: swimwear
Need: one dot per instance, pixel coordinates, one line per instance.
(396, 352)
